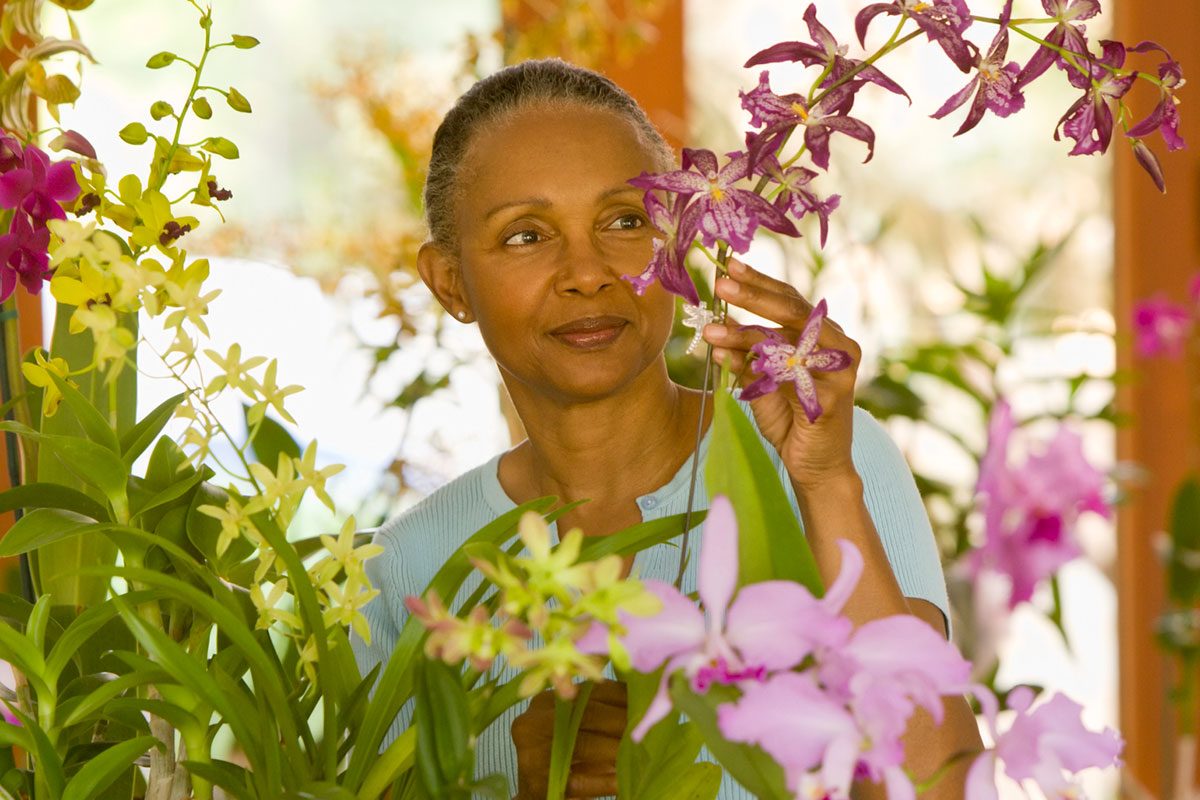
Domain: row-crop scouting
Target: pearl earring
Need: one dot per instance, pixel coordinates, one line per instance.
(462, 315)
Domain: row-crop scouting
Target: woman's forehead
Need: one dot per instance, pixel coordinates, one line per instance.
(545, 151)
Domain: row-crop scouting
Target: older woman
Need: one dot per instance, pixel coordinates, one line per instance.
(532, 226)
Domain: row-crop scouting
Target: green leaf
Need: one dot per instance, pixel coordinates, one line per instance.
(139, 437)
(636, 538)
(160, 109)
(92, 421)
(242, 42)
(748, 764)
(202, 108)
(76, 635)
(568, 714)
(168, 463)
(443, 728)
(204, 532)
(172, 492)
(160, 60)
(95, 700)
(237, 101)
(41, 527)
(221, 146)
(134, 133)
(1183, 575)
(395, 684)
(771, 544)
(270, 440)
(234, 779)
(102, 770)
(87, 460)
(51, 495)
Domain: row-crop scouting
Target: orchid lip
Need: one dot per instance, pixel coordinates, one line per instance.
(589, 324)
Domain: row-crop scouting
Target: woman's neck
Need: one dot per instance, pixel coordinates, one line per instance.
(610, 450)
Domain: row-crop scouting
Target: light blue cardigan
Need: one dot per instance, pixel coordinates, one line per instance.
(419, 540)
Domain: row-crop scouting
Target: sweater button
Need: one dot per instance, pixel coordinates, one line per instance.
(648, 503)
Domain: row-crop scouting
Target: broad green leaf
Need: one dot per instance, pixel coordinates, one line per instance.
(233, 778)
(748, 764)
(75, 636)
(88, 461)
(700, 781)
(568, 714)
(204, 531)
(1183, 576)
(443, 728)
(395, 684)
(92, 421)
(387, 768)
(771, 544)
(169, 494)
(105, 768)
(168, 463)
(140, 436)
(636, 538)
(95, 700)
(270, 440)
(51, 495)
(41, 527)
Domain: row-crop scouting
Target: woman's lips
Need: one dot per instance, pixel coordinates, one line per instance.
(590, 333)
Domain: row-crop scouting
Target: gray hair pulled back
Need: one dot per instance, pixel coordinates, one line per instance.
(541, 82)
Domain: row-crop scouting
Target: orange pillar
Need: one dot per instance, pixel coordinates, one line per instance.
(654, 74)
(1157, 250)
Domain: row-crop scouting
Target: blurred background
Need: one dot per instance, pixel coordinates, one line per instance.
(968, 268)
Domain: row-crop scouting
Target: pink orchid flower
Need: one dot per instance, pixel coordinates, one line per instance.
(1162, 327)
(38, 187)
(1041, 746)
(770, 626)
(1031, 508)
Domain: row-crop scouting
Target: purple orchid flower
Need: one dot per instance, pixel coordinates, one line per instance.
(943, 21)
(770, 626)
(1066, 35)
(1162, 327)
(723, 211)
(1090, 120)
(1031, 508)
(12, 154)
(779, 114)
(23, 256)
(779, 362)
(1041, 746)
(667, 264)
(1165, 116)
(38, 187)
(995, 83)
(825, 52)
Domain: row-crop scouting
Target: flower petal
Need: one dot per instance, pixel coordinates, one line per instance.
(718, 568)
(677, 629)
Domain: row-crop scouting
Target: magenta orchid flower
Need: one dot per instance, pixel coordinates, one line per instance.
(24, 256)
(723, 211)
(667, 264)
(943, 21)
(825, 52)
(780, 362)
(38, 187)
(994, 85)
(1165, 116)
(1030, 509)
(795, 195)
(1162, 327)
(770, 626)
(1066, 34)
(1042, 746)
(1089, 121)
(780, 114)
(12, 154)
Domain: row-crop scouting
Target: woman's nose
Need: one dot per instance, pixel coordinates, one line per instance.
(585, 270)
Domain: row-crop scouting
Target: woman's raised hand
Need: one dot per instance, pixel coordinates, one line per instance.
(594, 762)
(815, 452)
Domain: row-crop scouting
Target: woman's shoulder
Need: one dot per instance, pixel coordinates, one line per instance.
(440, 522)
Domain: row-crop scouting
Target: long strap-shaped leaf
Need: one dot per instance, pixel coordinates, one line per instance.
(396, 683)
(100, 771)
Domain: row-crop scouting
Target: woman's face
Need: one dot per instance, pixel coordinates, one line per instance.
(547, 227)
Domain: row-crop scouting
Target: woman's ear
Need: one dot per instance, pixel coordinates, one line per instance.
(440, 271)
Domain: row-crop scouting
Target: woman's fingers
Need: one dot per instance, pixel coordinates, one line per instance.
(768, 297)
(731, 337)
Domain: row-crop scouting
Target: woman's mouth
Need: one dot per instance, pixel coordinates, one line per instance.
(590, 333)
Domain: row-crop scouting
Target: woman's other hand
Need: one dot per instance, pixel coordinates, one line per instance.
(594, 762)
(814, 453)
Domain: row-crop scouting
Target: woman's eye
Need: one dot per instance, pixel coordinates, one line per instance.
(628, 222)
(528, 236)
